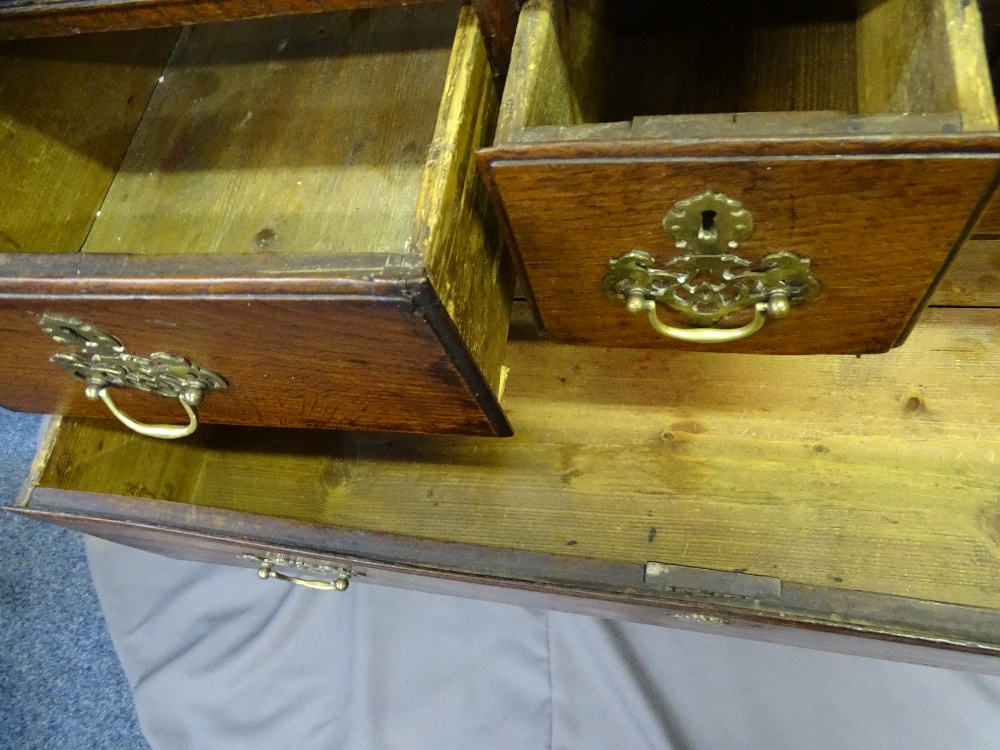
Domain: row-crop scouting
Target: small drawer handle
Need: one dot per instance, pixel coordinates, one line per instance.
(776, 306)
(266, 572)
(189, 399)
(707, 282)
(102, 363)
(340, 584)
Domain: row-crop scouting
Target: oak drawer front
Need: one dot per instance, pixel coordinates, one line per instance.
(330, 260)
(815, 494)
(869, 197)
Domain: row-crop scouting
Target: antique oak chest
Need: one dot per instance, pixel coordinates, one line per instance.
(843, 502)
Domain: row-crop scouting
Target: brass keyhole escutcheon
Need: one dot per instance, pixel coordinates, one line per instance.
(708, 281)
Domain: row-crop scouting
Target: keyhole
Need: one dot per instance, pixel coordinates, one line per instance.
(707, 232)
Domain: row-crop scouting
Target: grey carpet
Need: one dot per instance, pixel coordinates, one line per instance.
(60, 682)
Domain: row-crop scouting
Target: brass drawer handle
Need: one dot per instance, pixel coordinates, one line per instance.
(266, 572)
(102, 363)
(188, 399)
(706, 283)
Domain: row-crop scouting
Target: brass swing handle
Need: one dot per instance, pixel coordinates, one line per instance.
(189, 399)
(100, 360)
(777, 306)
(265, 572)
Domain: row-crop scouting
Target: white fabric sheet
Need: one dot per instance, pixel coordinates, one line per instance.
(221, 660)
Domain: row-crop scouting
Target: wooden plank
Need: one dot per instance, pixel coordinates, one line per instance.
(67, 113)
(24, 19)
(465, 262)
(974, 88)
(875, 474)
(301, 135)
(925, 56)
(973, 278)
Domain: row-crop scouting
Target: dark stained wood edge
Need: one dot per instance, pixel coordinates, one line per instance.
(883, 626)
(69, 17)
(943, 271)
(41, 459)
(498, 24)
(507, 235)
(957, 145)
(68, 274)
(429, 305)
(497, 18)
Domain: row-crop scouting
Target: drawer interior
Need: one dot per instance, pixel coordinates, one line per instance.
(645, 69)
(288, 135)
(873, 474)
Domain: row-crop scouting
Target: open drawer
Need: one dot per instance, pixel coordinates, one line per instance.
(836, 502)
(280, 219)
(763, 176)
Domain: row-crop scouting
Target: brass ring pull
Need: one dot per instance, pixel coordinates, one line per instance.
(265, 572)
(189, 399)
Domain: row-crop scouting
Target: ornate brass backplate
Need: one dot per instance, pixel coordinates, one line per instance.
(708, 282)
(101, 361)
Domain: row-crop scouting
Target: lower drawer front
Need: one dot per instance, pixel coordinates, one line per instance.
(764, 495)
(875, 230)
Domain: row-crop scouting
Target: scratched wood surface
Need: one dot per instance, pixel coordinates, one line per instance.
(68, 109)
(301, 134)
(24, 19)
(973, 278)
(455, 231)
(875, 474)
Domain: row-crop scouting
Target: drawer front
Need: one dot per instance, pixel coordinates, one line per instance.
(305, 352)
(876, 228)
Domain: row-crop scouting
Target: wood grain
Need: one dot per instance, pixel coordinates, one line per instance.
(752, 57)
(541, 92)
(299, 345)
(498, 23)
(973, 278)
(875, 474)
(302, 134)
(856, 219)
(454, 231)
(68, 110)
